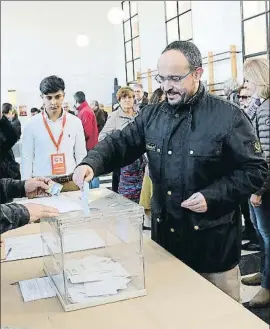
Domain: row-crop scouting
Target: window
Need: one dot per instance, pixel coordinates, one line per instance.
(178, 20)
(131, 40)
(255, 28)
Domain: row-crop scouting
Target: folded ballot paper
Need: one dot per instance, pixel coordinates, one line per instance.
(95, 276)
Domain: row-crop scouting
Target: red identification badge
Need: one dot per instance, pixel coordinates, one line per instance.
(58, 164)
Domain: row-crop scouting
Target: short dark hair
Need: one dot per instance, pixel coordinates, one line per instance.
(189, 50)
(79, 96)
(95, 103)
(6, 108)
(51, 84)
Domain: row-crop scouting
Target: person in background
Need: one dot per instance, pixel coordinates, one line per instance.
(16, 215)
(140, 99)
(131, 176)
(203, 162)
(249, 232)
(99, 113)
(230, 88)
(53, 143)
(66, 108)
(8, 136)
(9, 168)
(88, 119)
(232, 92)
(34, 111)
(12, 116)
(244, 99)
(158, 96)
(256, 82)
(102, 107)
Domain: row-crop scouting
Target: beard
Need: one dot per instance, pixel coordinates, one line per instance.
(176, 98)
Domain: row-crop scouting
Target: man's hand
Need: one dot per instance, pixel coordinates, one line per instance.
(37, 187)
(82, 174)
(38, 211)
(196, 203)
(256, 200)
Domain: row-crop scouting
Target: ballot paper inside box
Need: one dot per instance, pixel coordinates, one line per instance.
(96, 259)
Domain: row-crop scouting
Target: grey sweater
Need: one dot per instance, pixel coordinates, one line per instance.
(261, 122)
(117, 120)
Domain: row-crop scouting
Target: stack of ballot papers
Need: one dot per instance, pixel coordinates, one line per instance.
(95, 276)
(88, 278)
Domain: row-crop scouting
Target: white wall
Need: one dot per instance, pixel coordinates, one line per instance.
(39, 39)
(152, 34)
(216, 26)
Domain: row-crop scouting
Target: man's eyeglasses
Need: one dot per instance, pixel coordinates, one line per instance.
(174, 78)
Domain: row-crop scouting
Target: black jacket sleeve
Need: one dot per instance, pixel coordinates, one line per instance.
(10, 188)
(249, 169)
(13, 216)
(118, 149)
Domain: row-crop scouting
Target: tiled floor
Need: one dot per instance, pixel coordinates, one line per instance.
(247, 292)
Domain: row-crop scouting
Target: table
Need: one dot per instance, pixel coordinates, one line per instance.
(177, 298)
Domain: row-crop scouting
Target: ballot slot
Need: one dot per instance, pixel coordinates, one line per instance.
(112, 269)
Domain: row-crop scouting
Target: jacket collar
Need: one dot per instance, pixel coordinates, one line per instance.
(199, 96)
(82, 106)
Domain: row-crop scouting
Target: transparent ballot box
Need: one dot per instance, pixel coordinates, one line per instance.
(97, 259)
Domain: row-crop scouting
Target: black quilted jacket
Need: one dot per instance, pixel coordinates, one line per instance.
(12, 215)
(206, 146)
(261, 123)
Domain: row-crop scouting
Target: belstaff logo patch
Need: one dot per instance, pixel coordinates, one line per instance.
(257, 147)
(151, 147)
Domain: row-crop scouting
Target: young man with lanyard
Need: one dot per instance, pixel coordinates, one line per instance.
(53, 142)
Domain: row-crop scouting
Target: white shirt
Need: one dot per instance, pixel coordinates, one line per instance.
(37, 146)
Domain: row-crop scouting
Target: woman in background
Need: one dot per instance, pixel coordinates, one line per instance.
(236, 94)
(147, 187)
(157, 96)
(256, 74)
(131, 176)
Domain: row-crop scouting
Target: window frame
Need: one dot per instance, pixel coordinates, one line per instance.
(243, 20)
(177, 17)
(131, 39)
